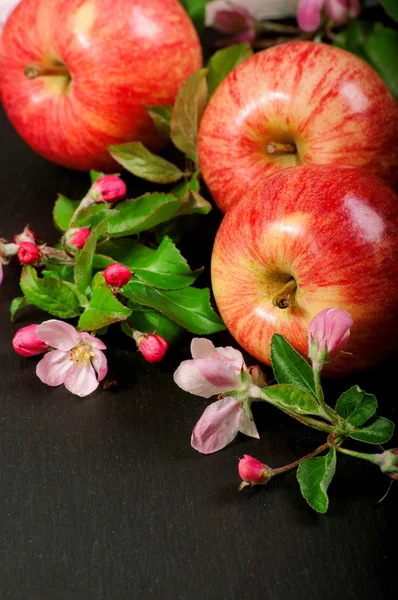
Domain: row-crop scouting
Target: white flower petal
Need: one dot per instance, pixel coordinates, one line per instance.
(217, 427)
(54, 367)
(201, 348)
(206, 377)
(58, 334)
(233, 355)
(81, 380)
(100, 364)
(94, 342)
(247, 426)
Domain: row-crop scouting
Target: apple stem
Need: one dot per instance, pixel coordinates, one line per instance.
(279, 148)
(285, 298)
(32, 71)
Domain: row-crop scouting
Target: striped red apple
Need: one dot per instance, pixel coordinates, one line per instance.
(296, 103)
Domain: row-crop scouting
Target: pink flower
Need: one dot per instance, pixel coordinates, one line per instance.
(117, 275)
(238, 22)
(388, 462)
(79, 237)
(153, 347)
(26, 236)
(339, 11)
(74, 359)
(328, 333)
(26, 342)
(108, 188)
(28, 253)
(253, 471)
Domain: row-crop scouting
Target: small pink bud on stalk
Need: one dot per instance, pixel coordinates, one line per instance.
(108, 188)
(26, 343)
(388, 462)
(153, 347)
(28, 253)
(252, 471)
(328, 333)
(79, 237)
(339, 11)
(117, 275)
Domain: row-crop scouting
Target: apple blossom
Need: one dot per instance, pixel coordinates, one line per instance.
(339, 11)
(28, 253)
(117, 275)
(109, 188)
(253, 471)
(153, 347)
(26, 236)
(238, 22)
(328, 334)
(26, 342)
(388, 462)
(74, 360)
(79, 237)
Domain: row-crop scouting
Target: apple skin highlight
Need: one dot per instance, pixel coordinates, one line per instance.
(105, 60)
(332, 232)
(326, 103)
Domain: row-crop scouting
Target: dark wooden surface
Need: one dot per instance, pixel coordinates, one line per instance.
(104, 497)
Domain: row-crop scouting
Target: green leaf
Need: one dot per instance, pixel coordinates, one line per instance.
(191, 201)
(187, 111)
(196, 10)
(356, 406)
(18, 304)
(380, 46)
(141, 162)
(60, 272)
(189, 307)
(92, 215)
(143, 213)
(103, 308)
(94, 175)
(391, 8)
(63, 211)
(353, 37)
(223, 61)
(289, 366)
(161, 115)
(83, 270)
(148, 320)
(50, 295)
(314, 476)
(377, 431)
(291, 398)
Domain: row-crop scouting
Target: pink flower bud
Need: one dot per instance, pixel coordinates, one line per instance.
(238, 22)
(388, 462)
(28, 253)
(117, 275)
(79, 237)
(108, 188)
(328, 333)
(26, 342)
(253, 471)
(153, 347)
(258, 376)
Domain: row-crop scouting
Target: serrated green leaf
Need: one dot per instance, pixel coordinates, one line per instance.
(189, 307)
(143, 213)
(292, 398)
(94, 175)
(149, 320)
(18, 304)
(391, 8)
(187, 111)
(356, 406)
(289, 366)
(50, 295)
(223, 62)
(60, 272)
(103, 308)
(314, 476)
(92, 215)
(380, 46)
(161, 115)
(191, 201)
(63, 211)
(138, 160)
(377, 431)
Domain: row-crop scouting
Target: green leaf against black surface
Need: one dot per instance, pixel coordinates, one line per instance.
(314, 476)
(137, 159)
(289, 366)
(292, 398)
(356, 406)
(376, 431)
(381, 47)
(189, 307)
(196, 9)
(63, 211)
(51, 295)
(223, 61)
(143, 213)
(148, 320)
(94, 175)
(18, 304)
(191, 201)
(391, 8)
(103, 308)
(187, 111)
(161, 115)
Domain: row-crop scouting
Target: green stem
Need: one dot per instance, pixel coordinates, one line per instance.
(327, 412)
(86, 202)
(373, 458)
(305, 420)
(294, 464)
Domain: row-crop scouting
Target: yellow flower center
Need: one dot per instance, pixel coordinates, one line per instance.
(82, 354)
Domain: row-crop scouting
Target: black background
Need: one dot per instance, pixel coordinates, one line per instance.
(103, 497)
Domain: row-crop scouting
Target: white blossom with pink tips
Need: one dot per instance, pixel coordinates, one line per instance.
(217, 371)
(77, 360)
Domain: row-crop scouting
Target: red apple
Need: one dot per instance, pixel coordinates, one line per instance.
(76, 74)
(296, 103)
(310, 238)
